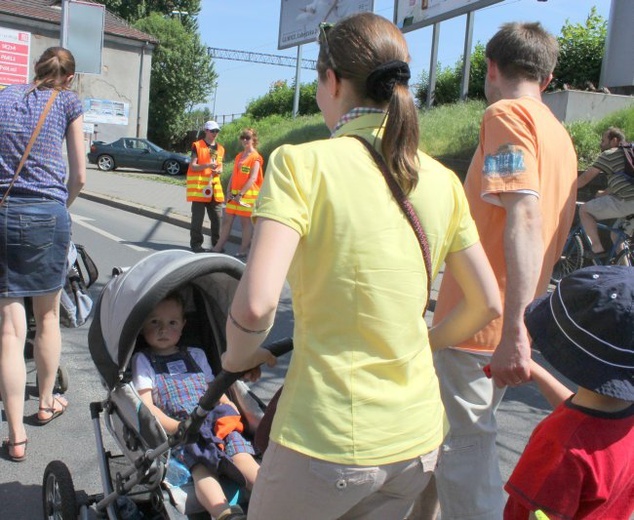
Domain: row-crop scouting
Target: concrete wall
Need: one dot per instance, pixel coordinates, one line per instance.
(575, 105)
(125, 75)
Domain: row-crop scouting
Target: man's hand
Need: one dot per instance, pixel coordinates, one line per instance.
(510, 363)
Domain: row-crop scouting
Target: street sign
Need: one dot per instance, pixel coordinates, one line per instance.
(15, 48)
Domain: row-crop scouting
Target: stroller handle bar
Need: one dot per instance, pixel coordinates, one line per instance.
(189, 428)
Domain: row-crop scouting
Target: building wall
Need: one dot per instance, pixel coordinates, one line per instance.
(125, 75)
(617, 69)
(575, 105)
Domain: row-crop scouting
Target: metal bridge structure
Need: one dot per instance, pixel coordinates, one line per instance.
(258, 57)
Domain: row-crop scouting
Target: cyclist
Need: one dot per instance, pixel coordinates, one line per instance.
(617, 201)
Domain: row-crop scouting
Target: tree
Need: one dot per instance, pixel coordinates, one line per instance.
(449, 80)
(279, 100)
(133, 10)
(182, 76)
(581, 52)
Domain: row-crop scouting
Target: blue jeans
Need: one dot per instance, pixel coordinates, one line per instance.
(34, 238)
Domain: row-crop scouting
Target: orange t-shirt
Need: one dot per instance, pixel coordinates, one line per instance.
(522, 148)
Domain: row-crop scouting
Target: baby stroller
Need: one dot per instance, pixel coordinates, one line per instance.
(135, 478)
(75, 303)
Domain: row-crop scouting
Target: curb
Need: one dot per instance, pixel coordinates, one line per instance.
(167, 216)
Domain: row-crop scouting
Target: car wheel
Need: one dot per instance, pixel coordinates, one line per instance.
(172, 167)
(105, 163)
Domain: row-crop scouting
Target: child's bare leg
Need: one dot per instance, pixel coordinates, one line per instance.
(247, 466)
(208, 491)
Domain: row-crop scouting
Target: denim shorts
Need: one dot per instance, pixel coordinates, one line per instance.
(34, 238)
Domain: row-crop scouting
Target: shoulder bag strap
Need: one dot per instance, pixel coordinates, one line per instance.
(407, 208)
(34, 135)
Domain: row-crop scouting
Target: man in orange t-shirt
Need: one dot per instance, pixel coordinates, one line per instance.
(521, 187)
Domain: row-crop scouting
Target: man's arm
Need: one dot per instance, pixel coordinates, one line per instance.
(587, 176)
(524, 253)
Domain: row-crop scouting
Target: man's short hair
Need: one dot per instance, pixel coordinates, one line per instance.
(615, 133)
(523, 51)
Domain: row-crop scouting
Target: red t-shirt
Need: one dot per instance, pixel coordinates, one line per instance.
(578, 463)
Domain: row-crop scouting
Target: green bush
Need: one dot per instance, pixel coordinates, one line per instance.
(279, 100)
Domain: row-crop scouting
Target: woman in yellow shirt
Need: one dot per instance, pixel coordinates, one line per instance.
(360, 420)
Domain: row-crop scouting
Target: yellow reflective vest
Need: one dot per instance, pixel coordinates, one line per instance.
(197, 181)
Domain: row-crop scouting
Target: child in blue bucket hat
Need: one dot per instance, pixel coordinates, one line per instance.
(579, 461)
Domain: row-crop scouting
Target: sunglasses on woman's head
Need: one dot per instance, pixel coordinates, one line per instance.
(324, 29)
(245, 137)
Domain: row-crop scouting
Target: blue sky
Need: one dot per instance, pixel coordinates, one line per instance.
(253, 25)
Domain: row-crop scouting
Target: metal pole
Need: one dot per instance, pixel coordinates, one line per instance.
(433, 64)
(298, 69)
(466, 62)
(63, 36)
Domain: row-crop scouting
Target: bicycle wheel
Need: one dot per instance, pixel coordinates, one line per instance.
(625, 257)
(570, 260)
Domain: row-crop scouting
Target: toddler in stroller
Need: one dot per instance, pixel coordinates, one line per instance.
(170, 379)
(134, 475)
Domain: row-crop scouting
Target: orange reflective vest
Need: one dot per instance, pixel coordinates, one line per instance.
(198, 181)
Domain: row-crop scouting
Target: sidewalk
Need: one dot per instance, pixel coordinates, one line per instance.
(129, 191)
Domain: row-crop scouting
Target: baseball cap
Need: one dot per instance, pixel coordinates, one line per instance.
(211, 125)
(585, 329)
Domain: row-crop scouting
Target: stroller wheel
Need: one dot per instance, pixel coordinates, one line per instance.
(61, 385)
(61, 381)
(58, 492)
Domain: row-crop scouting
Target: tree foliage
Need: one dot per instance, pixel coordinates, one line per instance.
(133, 10)
(174, 87)
(279, 100)
(449, 80)
(581, 49)
(581, 53)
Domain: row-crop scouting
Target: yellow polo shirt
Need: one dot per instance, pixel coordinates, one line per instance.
(361, 387)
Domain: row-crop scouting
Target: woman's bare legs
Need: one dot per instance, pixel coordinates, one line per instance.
(47, 346)
(225, 231)
(247, 233)
(13, 368)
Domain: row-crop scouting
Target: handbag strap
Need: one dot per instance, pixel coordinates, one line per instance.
(34, 135)
(406, 207)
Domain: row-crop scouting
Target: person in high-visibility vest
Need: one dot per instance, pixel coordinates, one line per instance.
(244, 187)
(204, 190)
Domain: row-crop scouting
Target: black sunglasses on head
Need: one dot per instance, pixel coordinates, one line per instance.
(213, 131)
(246, 137)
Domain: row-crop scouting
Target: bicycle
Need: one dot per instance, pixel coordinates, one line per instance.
(578, 253)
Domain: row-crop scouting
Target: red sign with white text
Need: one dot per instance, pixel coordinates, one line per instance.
(15, 48)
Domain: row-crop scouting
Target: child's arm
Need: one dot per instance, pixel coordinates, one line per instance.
(169, 425)
(554, 391)
(225, 400)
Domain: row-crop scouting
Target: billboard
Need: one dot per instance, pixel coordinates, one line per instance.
(412, 14)
(300, 19)
(15, 47)
(106, 111)
(82, 34)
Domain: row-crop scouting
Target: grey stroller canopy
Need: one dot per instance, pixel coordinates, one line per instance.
(127, 299)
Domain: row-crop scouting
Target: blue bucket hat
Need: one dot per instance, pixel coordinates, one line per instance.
(585, 329)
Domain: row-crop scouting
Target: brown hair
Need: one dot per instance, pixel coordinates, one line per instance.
(53, 68)
(615, 133)
(254, 135)
(353, 49)
(523, 51)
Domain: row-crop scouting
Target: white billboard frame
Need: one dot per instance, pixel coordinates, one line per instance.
(414, 14)
(300, 19)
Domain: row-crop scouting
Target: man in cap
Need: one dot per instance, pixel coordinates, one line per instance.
(204, 189)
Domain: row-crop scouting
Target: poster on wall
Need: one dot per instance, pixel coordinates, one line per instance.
(413, 14)
(106, 111)
(300, 19)
(15, 49)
